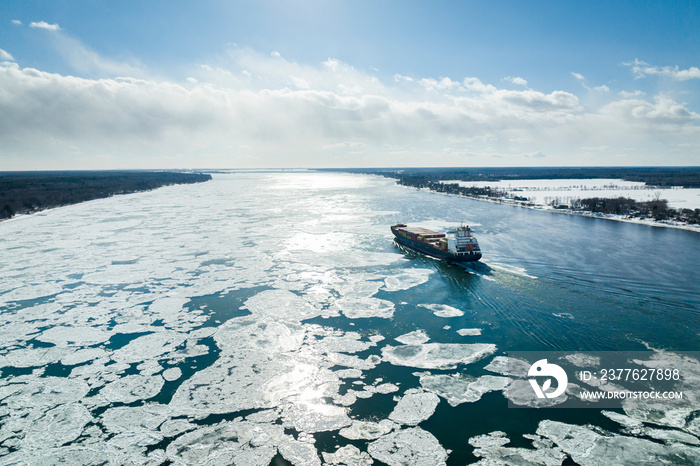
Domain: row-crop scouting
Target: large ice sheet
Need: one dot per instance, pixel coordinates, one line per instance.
(349, 455)
(281, 304)
(458, 389)
(58, 426)
(407, 278)
(589, 446)
(408, 446)
(437, 355)
(152, 346)
(414, 408)
(367, 430)
(416, 337)
(315, 417)
(491, 448)
(236, 442)
(443, 310)
(131, 388)
(358, 308)
(74, 335)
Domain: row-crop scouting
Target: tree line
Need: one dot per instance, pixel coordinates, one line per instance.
(26, 192)
(656, 209)
(686, 177)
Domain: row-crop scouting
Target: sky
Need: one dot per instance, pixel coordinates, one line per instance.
(96, 84)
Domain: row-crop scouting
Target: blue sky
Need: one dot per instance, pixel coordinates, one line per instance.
(172, 84)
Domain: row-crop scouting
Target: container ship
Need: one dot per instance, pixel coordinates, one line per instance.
(463, 247)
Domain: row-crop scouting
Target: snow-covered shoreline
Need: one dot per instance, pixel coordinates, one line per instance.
(545, 191)
(581, 213)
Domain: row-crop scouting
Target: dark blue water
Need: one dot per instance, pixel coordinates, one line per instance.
(600, 284)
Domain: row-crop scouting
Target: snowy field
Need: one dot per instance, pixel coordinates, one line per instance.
(543, 192)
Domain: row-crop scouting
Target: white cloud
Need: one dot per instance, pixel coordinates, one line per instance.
(16, 22)
(345, 145)
(663, 110)
(474, 84)
(6, 55)
(45, 25)
(86, 61)
(442, 84)
(642, 69)
(250, 109)
(300, 83)
(579, 77)
(516, 80)
(399, 78)
(628, 95)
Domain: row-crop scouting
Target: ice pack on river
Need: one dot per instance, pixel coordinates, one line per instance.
(269, 317)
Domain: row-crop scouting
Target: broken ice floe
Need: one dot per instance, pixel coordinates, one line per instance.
(469, 331)
(149, 367)
(443, 310)
(236, 442)
(384, 388)
(281, 304)
(583, 360)
(491, 448)
(27, 393)
(408, 446)
(669, 435)
(511, 367)
(366, 430)
(131, 388)
(349, 373)
(338, 341)
(414, 407)
(489, 441)
(147, 417)
(171, 374)
(349, 455)
(520, 392)
(622, 419)
(359, 285)
(34, 357)
(263, 416)
(348, 399)
(151, 346)
(591, 446)
(83, 355)
(175, 427)
(58, 426)
(370, 362)
(458, 389)
(408, 278)
(437, 355)
(358, 308)
(314, 417)
(413, 338)
(73, 336)
(669, 412)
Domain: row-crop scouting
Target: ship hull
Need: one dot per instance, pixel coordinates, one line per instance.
(433, 252)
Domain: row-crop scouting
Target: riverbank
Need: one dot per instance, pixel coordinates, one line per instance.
(582, 213)
(30, 192)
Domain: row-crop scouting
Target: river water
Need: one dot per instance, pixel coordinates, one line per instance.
(268, 317)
